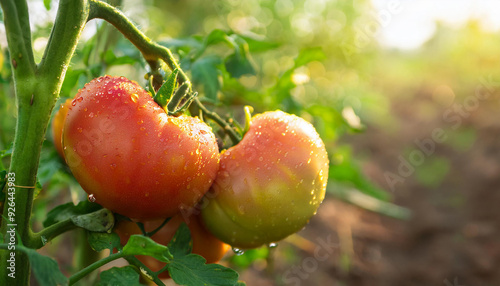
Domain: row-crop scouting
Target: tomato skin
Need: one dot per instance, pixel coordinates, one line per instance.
(57, 126)
(270, 184)
(132, 157)
(204, 243)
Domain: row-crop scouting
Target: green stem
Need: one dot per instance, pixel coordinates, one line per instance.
(85, 271)
(37, 240)
(151, 51)
(235, 137)
(36, 93)
(135, 262)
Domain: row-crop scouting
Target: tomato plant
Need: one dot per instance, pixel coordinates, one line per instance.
(270, 184)
(146, 155)
(131, 157)
(203, 242)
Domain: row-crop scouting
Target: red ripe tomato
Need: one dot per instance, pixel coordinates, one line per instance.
(131, 157)
(270, 184)
(57, 126)
(204, 243)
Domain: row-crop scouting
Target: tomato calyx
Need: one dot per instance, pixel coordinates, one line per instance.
(169, 96)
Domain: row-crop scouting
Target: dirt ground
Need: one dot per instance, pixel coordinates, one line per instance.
(452, 237)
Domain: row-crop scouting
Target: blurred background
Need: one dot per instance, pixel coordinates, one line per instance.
(403, 93)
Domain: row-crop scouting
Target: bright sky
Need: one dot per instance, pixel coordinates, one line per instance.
(409, 23)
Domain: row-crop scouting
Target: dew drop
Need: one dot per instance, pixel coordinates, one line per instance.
(272, 245)
(91, 198)
(134, 97)
(79, 129)
(112, 166)
(44, 240)
(238, 251)
(80, 99)
(73, 102)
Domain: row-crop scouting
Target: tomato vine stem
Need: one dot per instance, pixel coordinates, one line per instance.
(151, 52)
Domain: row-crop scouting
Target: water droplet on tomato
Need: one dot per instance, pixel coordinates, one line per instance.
(73, 102)
(238, 251)
(261, 159)
(91, 115)
(80, 99)
(309, 161)
(140, 122)
(85, 109)
(79, 129)
(134, 97)
(142, 128)
(91, 198)
(112, 166)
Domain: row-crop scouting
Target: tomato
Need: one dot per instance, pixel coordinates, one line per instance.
(57, 126)
(204, 243)
(131, 157)
(270, 184)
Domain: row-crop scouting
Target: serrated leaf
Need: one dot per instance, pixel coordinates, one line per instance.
(181, 244)
(165, 92)
(47, 4)
(205, 72)
(65, 211)
(100, 241)
(99, 221)
(309, 55)
(215, 37)
(119, 276)
(191, 270)
(142, 245)
(45, 269)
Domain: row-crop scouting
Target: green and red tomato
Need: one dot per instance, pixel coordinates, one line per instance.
(270, 184)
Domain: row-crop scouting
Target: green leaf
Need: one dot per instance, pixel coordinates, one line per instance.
(167, 89)
(181, 244)
(99, 221)
(142, 245)
(191, 270)
(345, 170)
(112, 60)
(65, 211)
(309, 55)
(100, 241)
(70, 81)
(256, 45)
(240, 62)
(6, 152)
(50, 163)
(119, 276)
(205, 72)
(45, 269)
(47, 3)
